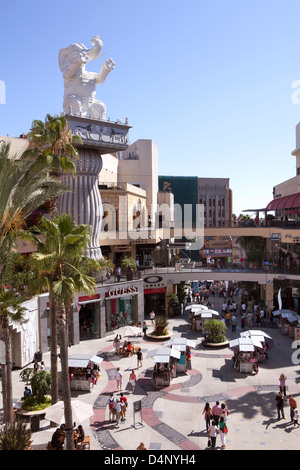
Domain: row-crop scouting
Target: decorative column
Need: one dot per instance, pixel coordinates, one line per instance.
(83, 201)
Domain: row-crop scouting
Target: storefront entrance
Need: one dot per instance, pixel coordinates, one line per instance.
(154, 300)
(89, 320)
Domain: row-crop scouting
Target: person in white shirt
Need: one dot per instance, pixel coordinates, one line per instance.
(213, 431)
(119, 377)
(249, 319)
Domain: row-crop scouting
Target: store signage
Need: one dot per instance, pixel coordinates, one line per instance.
(153, 279)
(121, 291)
(276, 237)
(85, 298)
(155, 290)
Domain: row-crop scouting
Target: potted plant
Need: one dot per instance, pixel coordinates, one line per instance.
(129, 264)
(215, 330)
(173, 304)
(160, 327)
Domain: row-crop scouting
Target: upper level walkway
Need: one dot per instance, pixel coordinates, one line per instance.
(164, 275)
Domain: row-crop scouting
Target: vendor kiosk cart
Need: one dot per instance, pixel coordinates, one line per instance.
(245, 357)
(182, 345)
(287, 320)
(165, 365)
(84, 371)
(263, 338)
(203, 316)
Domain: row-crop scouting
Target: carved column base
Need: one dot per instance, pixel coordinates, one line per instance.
(83, 201)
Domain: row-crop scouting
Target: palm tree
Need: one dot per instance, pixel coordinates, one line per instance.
(24, 186)
(62, 256)
(11, 310)
(52, 141)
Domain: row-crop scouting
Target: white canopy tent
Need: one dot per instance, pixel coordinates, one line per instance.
(82, 360)
(163, 355)
(283, 311)
(207, 313)
(245, 344)
(180, 342)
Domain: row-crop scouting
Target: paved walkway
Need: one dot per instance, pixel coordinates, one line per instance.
(172, 417)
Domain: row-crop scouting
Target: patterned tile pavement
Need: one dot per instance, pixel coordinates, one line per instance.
(171, 417)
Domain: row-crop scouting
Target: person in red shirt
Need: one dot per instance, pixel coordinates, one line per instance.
(124, 403)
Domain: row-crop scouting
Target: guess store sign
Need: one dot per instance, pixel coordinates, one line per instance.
(121, 292)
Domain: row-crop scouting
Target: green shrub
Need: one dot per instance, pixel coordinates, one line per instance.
(32, 403)
(15, 436)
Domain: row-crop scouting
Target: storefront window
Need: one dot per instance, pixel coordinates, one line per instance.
(120, 312)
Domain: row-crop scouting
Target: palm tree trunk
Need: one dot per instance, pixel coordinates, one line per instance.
(66, 389)
(8, 403)
(4, 391)
(53, 348)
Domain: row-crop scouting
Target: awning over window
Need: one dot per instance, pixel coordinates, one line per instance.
(285, 202)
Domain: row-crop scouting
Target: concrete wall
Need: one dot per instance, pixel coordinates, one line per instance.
(142, 171)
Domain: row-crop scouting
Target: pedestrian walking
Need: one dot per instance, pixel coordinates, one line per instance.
(224, 412)
(117, 345)
(223, 431)
(233, 323)
(296, 417)
(207, 412)
(279, 404)
(139, 356)
(119, 379)
(262, 316)
(118, 273)
(249, 319)
(188, 360)
(124, 404)
(213, 431)
(132, 380)
(293, 406)
(36, 366)
(216, 410)
(152, 317)
(258, 319)
(141, 446)
(282, 385)
(111, 407)
(118, 409)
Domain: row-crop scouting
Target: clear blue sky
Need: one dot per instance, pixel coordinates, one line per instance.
(210, 82)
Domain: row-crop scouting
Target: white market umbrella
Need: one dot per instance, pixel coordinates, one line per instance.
(192, 306)
(132, 331)
(80, 412)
